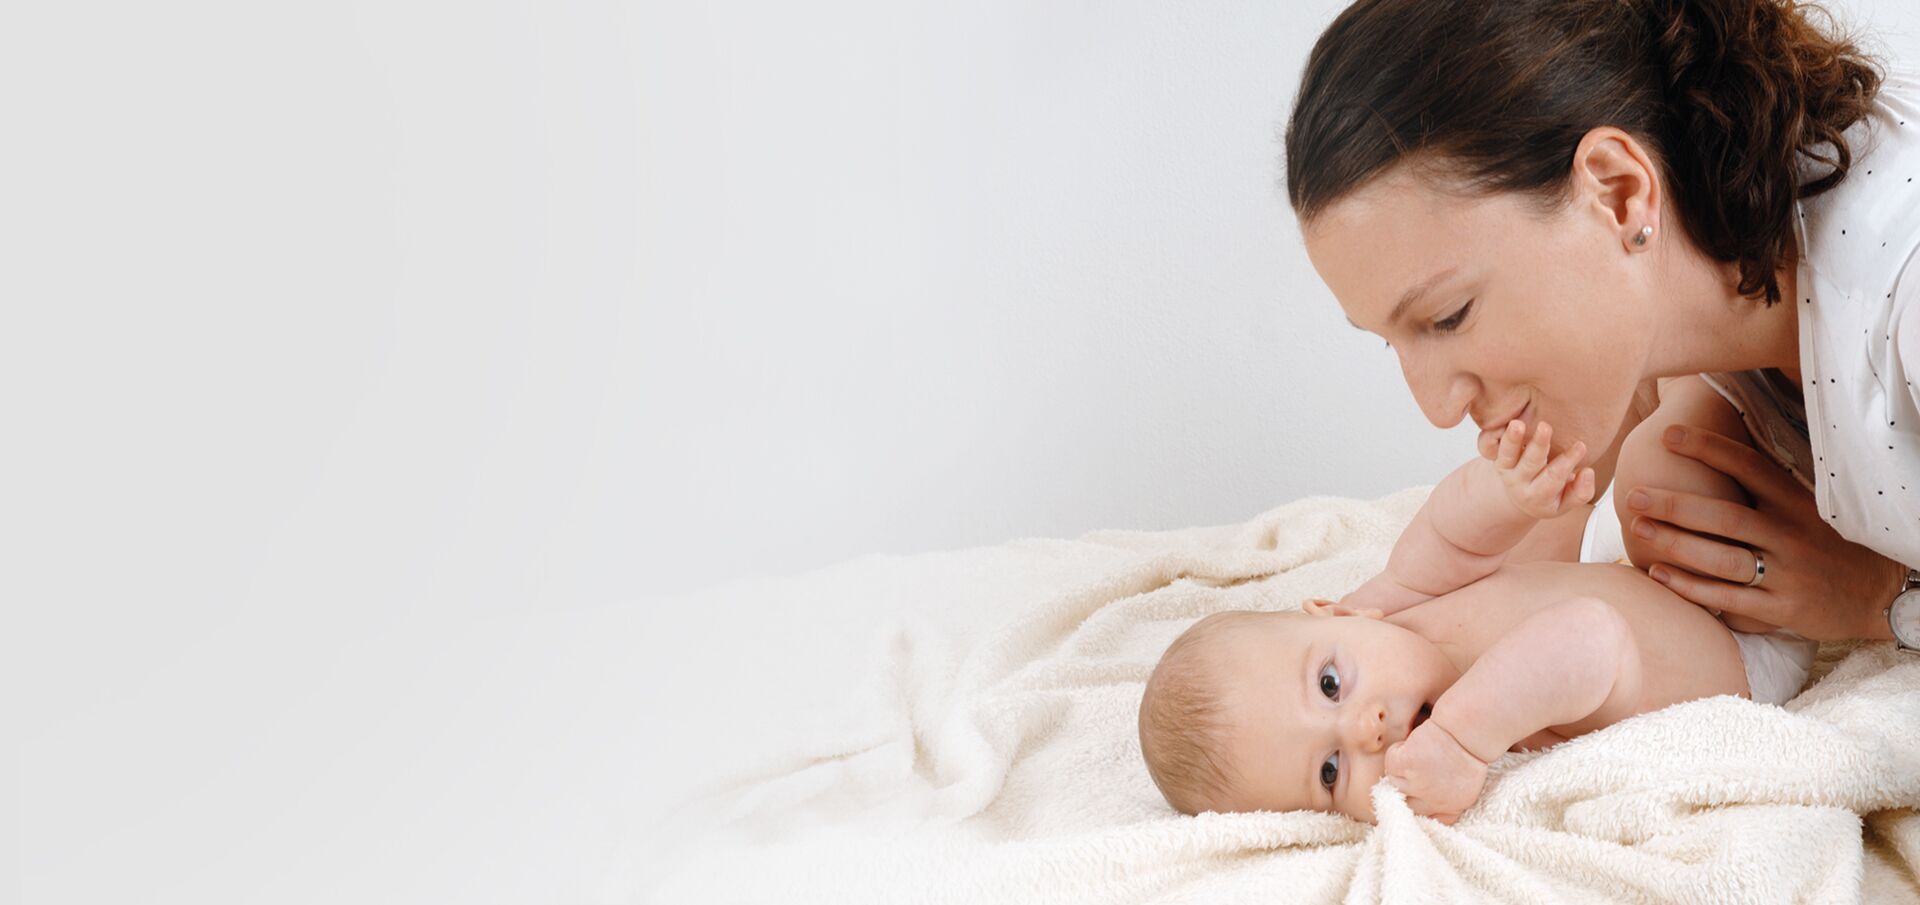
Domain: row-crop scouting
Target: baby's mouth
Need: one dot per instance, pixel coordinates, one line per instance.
(1420, 716)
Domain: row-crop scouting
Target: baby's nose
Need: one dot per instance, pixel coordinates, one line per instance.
(1366, 728)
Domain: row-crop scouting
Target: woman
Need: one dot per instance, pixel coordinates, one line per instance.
(1546, 205)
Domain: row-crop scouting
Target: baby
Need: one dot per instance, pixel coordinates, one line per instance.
(1448, 659)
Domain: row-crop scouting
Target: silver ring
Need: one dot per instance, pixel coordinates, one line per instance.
(1759, 569)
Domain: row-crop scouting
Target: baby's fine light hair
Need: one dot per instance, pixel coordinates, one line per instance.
(1183, 732)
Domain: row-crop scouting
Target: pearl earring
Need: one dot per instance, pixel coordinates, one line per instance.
(1641, 239)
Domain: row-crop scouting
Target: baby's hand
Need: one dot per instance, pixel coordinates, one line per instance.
(1441, 778)
(1540, 488)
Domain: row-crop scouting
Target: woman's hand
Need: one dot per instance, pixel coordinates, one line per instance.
(1440, 777)
(1817, 584)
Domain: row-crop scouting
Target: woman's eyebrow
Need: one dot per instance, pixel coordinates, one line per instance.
(1413, 295)
(1416, 293)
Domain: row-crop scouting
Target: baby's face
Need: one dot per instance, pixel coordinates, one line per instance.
(1315, 699)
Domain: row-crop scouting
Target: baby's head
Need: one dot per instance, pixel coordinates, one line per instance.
(1251, 711)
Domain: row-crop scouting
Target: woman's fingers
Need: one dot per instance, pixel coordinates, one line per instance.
(1694, 553)
(1818, 583)
(1706, 515)
(1760, 475)
(1737, 599)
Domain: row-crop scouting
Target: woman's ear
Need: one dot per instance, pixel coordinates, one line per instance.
(1314, 606)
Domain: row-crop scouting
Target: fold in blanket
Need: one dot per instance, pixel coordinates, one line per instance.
(1002, 765)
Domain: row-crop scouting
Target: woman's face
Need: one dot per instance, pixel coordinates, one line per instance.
(1536, 319)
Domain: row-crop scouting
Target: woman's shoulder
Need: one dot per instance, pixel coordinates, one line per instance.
(1860, 329)
(1856, 236)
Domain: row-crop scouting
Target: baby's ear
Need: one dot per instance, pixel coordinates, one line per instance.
(1314, 606)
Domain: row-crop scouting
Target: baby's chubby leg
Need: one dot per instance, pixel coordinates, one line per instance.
(1646, 462)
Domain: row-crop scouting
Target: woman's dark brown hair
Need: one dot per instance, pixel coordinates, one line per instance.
(1495, 95)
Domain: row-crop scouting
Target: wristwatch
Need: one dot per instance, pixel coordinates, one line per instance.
(1903, 615)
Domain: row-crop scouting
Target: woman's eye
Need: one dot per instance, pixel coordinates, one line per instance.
(1453, 321)
(1330, 682)
(1330, 770)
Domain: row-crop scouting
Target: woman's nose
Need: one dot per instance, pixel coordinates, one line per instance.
(1366, 728)
(1442, 396)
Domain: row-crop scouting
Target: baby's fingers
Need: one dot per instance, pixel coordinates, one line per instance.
(1580, 492)
(1535, 457)
(1565, 464)
(1510, 444)
(1553, 482)
(1424, 808)
(1555, 477)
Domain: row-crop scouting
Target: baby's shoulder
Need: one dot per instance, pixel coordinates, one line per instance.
(1682, 650)
(1472, 618)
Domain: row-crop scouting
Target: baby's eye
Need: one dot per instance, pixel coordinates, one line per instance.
(1330, 681)
(1330, 770)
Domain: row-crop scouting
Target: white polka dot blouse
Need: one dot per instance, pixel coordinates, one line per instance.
(1859, 300)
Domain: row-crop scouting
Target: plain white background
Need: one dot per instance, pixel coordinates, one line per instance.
(343, 327)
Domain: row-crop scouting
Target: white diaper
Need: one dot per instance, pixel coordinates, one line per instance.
(1604, 540)
(1776, 662)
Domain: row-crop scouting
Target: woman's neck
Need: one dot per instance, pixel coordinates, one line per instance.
(1707, 326)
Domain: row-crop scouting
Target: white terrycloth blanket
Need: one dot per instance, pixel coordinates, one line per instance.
(978, 744)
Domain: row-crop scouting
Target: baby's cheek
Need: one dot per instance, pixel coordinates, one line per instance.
(1361, 808)
(1373, 768)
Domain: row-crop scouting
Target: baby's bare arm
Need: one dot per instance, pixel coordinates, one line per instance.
(1473, 517)
(1429, 560)
(1558, 666)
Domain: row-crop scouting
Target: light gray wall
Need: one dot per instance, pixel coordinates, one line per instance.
(329, 317)
(942, 277)
(333, 330)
